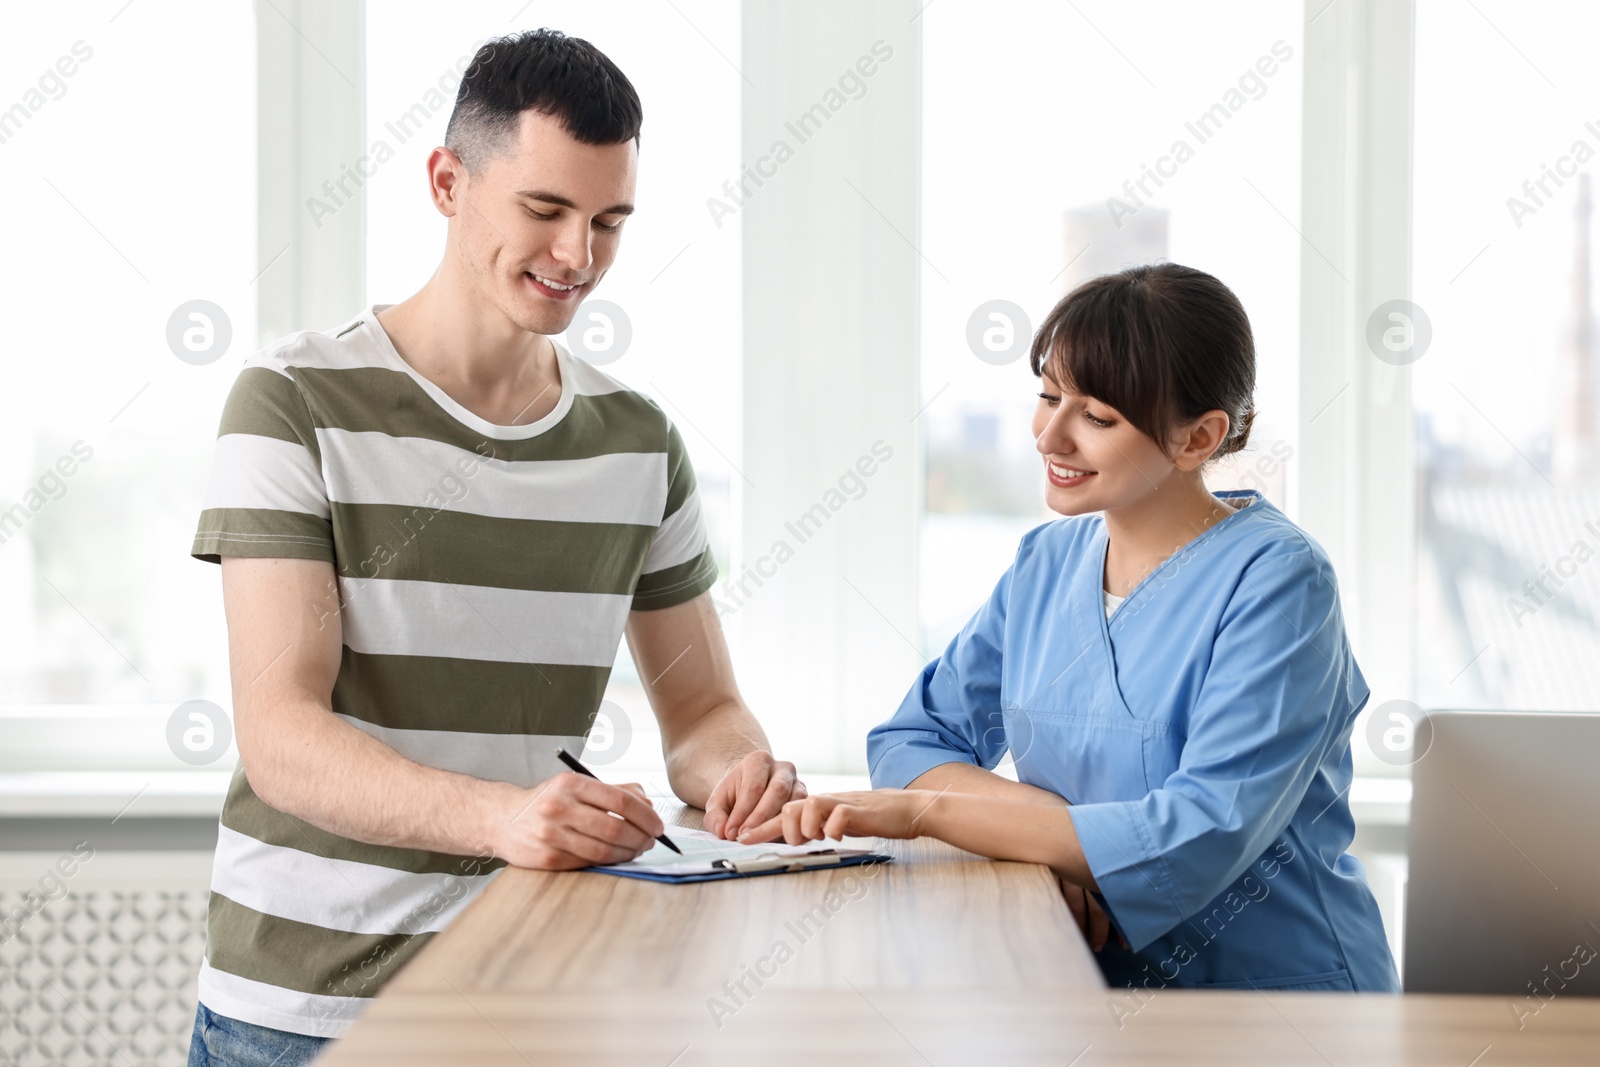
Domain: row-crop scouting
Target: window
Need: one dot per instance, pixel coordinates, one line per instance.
(1505, 393)
(1065, 141)
(130, 169)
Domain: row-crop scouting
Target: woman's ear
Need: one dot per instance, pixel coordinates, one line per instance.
(1199, 438)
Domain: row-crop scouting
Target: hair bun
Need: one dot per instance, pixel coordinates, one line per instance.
(1239, 432)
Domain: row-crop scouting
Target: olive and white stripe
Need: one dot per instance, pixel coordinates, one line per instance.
(485, 573)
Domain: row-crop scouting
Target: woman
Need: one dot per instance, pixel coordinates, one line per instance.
(1171, 676)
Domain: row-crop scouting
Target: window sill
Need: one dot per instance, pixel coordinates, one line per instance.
(1381, 801)
(154, 794)
(113, 794)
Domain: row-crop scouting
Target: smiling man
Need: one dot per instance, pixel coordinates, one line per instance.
(435, 526)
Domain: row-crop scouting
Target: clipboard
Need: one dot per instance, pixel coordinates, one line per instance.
(707, 858)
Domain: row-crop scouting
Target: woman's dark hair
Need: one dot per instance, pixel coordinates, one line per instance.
(554, 74)
(1163, 344)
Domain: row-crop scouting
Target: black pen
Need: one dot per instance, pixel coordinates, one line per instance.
(565, 757)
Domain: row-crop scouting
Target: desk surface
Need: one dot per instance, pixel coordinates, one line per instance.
(936, 916)
(936, 1027)
(938, 958)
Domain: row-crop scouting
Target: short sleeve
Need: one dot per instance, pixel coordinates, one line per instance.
(266, 496)
(679, 565)
(953, 713)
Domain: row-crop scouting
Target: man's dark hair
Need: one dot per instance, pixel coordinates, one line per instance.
(1163, 344)
(551, 73)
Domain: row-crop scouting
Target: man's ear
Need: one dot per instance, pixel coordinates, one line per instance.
(447, 180)
(1199, 438)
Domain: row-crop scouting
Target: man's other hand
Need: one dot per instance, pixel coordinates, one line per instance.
(754, 790)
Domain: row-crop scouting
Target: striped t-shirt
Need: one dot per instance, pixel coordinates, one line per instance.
(485, 574)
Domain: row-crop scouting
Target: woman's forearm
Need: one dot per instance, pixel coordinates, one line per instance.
(958, 777)
(1005, 828)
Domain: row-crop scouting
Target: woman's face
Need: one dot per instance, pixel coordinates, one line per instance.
(1094, 459)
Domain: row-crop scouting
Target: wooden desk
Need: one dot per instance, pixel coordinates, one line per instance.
(938, 958)
(935, 916)
(942, 1027)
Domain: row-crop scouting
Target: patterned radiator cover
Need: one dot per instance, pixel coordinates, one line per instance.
(101, 976)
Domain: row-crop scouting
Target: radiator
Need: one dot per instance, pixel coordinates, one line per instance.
(104, 974)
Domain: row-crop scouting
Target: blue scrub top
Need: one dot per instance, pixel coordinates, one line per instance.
(1201, 733)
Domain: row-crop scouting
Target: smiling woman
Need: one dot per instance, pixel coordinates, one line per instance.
(1159, 345)
(1172, 739)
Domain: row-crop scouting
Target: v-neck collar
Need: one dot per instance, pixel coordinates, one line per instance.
(1102, 545)
(1087, 611)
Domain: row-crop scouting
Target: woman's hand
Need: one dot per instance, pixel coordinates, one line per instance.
(1091, 918)
(1002, 828)
(876, 813)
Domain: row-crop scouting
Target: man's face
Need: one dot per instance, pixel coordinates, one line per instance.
(546, 214)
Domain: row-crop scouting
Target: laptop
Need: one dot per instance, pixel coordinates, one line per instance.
(1503, 892)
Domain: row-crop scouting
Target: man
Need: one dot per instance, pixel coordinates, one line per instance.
(434, 526)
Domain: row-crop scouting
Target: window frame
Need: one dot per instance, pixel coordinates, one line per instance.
(1356, 423)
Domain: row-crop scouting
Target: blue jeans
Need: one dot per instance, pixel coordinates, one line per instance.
(219, 1041)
